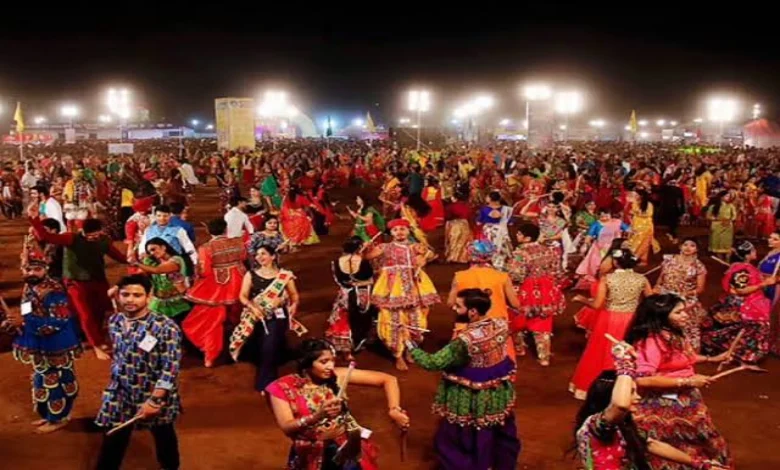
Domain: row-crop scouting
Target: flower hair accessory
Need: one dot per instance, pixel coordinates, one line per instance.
(745, 246)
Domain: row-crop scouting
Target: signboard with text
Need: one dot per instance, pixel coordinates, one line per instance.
(117, 149)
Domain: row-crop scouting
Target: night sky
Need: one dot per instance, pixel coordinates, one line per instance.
(659, 59)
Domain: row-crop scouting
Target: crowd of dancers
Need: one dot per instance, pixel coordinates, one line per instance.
(527, 226)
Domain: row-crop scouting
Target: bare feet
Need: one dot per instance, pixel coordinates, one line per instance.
(51, 427)
(39, 422)
(544, 363)
(208, 363)
(400, 364)
(101, 354)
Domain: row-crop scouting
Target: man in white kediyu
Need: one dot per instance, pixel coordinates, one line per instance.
(237, 220)
(49, 208)
(188, 173)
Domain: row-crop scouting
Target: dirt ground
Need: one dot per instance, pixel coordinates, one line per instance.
(227, 426)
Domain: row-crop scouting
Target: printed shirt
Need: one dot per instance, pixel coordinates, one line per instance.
(136, 373)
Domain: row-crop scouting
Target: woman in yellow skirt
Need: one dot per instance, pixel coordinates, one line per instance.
(403, 291)
(642, 230)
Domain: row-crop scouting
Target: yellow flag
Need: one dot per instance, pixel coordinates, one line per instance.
(370, 123)
(19, 118)
(632, 122)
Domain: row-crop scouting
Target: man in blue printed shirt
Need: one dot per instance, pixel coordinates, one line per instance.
(144, 377)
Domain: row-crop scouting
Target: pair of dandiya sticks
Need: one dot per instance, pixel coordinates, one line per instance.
(720, 375)
(342, 394)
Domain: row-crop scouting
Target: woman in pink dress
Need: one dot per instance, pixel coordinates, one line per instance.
(599, 239)
(605, 434)
(672, 408)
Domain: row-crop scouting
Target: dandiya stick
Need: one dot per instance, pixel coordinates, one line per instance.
(343, 386)
(652, 270)
(737, 369)
(124, 425)
(404, 436)
(614, 340)
(720, 261)
(402, 325)
(732, 347)
(366, 245)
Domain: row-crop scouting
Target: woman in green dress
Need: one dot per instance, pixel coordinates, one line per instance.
(169, 281)
(368, 221)
(722, 214)
(270, 189)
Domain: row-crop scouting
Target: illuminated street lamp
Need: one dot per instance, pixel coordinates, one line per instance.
(660, 123)
(756, 111)
(70, 112)
(195, 123)
(419, 102)
(210, 127)
(39, 120)
(598, 124)
(118, 102)
(721, 110)
(535, 92)
(642, 122)
(568, 103)
(276, 104)
(104, 118)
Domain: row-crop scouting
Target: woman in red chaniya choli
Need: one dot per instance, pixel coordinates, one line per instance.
(296, 224)
(432, 195)
(221, 270)
(765, 215)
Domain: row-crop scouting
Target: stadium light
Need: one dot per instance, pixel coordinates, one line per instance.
(194, 123)
(722, 110)
(505, 122)
(209, 127)
(104, 118)
(118, 102)
(70, 112)
(660, 122)
(642, 122)
(39, 119)
(357, 122)
(756, 111)
(598, 123)
(568, 102)
(537, 92)
(419, 102)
